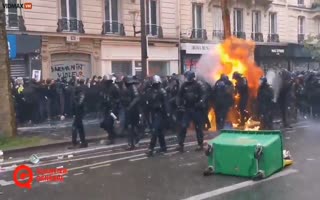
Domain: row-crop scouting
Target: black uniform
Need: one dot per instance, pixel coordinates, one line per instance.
(158, 103)
(242, 89)
(222, 101)
(265, 105)
(78, 111)
(191, 99)
(130, 101)
(110, 101)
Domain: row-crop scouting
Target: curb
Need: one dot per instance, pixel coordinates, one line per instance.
(50, 145)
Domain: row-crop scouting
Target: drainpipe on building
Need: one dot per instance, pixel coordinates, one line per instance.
(179, 35)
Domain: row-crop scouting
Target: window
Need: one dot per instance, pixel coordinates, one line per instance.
(217, 19)
(256, 22)
(197, 16)
(238, 20)
(152, 17)
(300, 2)
(318, 26)
(123, 68)
(160, 68)
(69, 15)
(12, 14)
(112, 16)
(300, 25)
(273, 23)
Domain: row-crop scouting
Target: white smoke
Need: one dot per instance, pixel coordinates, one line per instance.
(208, 65)
(275, 81)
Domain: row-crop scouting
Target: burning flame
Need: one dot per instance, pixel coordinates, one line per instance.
(236, 55)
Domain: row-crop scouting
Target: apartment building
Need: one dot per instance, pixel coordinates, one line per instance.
(278, 27)
(98, 37)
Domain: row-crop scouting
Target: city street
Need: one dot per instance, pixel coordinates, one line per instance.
(100, 172)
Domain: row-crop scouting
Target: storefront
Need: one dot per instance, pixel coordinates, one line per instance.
(272, 57)
(63, 57)
(124, 58)
(24, 54)
(293, 57)
(191, 54)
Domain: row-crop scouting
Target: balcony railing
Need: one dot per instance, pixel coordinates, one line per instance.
(239, 34)
(70, 25)
(218, 34)
(200, 34)
(15, 22)
(273, 37)
(258, 37)
(300, 38)
(113, 27)
(154, 30)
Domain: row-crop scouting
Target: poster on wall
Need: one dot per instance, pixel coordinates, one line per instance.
(70, 69)
(36, 74)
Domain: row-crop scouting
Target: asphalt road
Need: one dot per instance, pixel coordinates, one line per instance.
(114, 174)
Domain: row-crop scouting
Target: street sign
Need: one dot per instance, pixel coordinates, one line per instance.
(12, 45)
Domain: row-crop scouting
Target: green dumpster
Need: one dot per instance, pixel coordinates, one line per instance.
(246, 153)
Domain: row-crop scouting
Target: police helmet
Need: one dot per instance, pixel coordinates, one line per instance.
(128, 80)
(190, 75)
(263, 80)
(156, 79)
(236, 75)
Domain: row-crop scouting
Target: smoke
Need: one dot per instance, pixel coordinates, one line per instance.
(275, 81)
(208, 65)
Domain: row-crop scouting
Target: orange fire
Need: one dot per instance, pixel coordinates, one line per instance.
(236, 55)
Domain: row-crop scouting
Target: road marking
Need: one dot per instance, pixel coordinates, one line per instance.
(238, 186)
(171, 153)
(92, 157)
(68, 152)
(5, 183)
(77, 174)
(188, 164)
(105, 162)
(106, 165)
(302, 127)
(132, 160)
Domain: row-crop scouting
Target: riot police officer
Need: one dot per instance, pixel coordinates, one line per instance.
(191, 99)
(158, 105)
(242, 89)
(130, 100)
(222, 100)
(110, 101)
(78, 112)
(265, 104)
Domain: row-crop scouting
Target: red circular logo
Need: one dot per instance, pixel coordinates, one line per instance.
(22, 173)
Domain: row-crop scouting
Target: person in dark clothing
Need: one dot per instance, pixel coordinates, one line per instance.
(265, 104)
(78, 110)
(222, 100)
(110, 97)
(242, 89)
(158, 104)
(130, 99)
(284, 97)
(191, 100)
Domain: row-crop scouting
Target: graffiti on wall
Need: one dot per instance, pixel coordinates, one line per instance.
(69, 70)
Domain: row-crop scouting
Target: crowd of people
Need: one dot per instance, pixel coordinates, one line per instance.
(161, 103)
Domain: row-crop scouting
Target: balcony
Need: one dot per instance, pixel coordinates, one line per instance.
(154, 30)
(300, 38)
(70, 25)
(273, 37)
(218, 34)
(199, 34)
(241, 35)
(15, 22)
(258, 37)
(113, 27)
